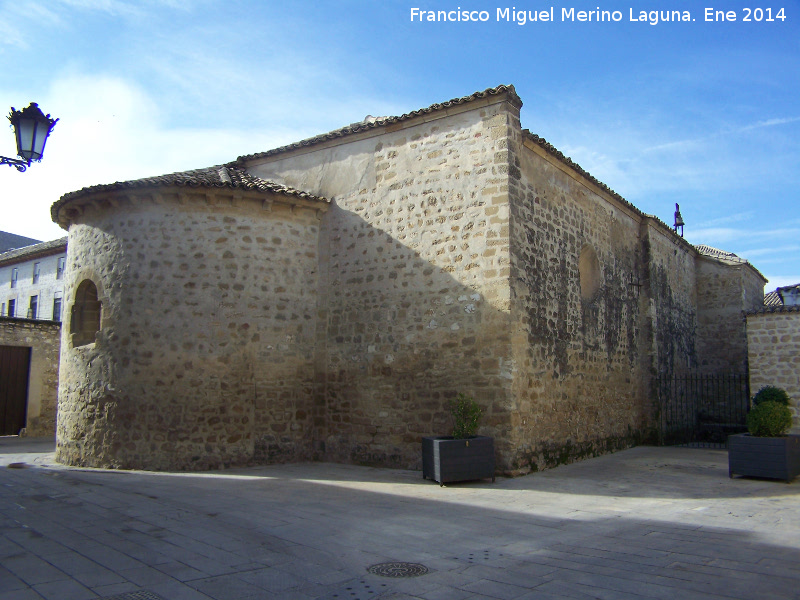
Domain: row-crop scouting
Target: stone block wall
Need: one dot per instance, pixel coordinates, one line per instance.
(579, 326)
(44, 339)
(671, 288)
(453, 262)
(724, 292)
(205, 354)
(458, 254)
(414, 277)
(773, 344)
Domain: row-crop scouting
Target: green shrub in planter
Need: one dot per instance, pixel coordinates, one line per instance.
(769, 419)
(766, 451)
(770, 393)
(466, 416)
(463, 456)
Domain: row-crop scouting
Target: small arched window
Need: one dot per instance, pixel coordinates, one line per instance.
(86, 309)
(589, 269)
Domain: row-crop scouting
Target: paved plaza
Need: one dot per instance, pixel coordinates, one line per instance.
(662, 523)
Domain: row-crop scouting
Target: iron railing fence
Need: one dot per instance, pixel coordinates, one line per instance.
(702, 410)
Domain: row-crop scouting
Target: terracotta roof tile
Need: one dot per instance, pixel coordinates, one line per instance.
(28, 252)
(774, 309)
(773, 299)
(717, 253)
(556, 153)
(233, 174)
(220, 176)
(374, 122)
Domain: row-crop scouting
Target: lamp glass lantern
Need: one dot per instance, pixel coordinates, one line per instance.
(31, 128)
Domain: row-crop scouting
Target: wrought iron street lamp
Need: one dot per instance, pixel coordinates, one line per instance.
(31, 128)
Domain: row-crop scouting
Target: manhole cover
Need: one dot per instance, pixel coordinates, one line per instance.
(398, 569)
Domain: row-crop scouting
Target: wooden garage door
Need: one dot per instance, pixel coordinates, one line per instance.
(14, 367)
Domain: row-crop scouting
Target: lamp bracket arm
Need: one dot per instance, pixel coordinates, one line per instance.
(19, 165)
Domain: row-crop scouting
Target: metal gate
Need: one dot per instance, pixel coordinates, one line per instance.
(14, 368)
(702, 410)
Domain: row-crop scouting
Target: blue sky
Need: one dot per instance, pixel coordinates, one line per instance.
(706, 114)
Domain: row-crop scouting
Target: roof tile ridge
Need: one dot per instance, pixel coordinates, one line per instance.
(33, 249)
(782, 308)
(560, 156)
(268, 185)
(375, 122)
(228, 175)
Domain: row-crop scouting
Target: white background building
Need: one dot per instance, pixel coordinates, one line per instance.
(31, 281)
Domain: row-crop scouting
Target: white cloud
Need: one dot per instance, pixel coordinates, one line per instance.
(712, 235)
(768, 123)
(697, 144)
(773, 250)
(688, 150)
(114, 7)
(732, 218)
(180, 84)
(17, 18)
(109, 130)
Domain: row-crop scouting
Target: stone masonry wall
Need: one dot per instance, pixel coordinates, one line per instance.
(578, 379)
(458, 255)
(435, 221)
(724, 292)
(44, 338)
(672, 291)
(415, 269)
(773, 348)
(205, 356)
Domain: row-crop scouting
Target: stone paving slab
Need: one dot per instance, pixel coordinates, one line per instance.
(645, 523)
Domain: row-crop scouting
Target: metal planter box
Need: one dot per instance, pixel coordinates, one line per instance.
(769, 457)
(445, 459)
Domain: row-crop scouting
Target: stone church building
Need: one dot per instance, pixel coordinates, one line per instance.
(324, 300)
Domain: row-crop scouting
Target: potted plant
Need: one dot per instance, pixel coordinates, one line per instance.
(464, 455)
(766, 451)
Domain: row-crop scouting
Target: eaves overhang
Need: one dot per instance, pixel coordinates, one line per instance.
(214, 185)
(18, 255)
